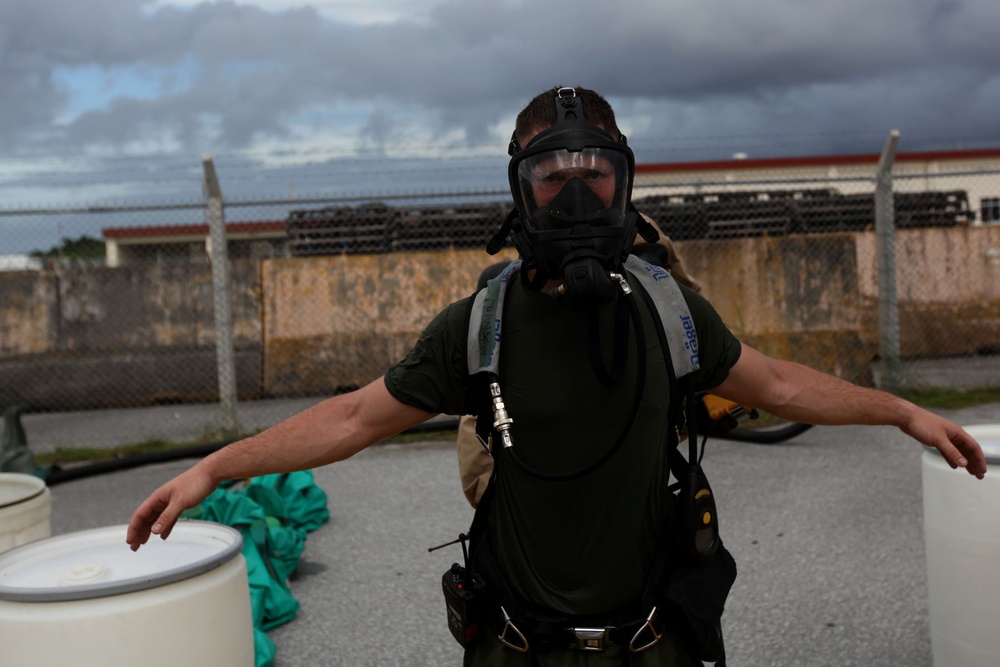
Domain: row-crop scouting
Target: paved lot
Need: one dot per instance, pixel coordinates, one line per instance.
(173, 423)
(826, 529)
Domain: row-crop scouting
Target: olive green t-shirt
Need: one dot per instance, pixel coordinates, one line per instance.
(583, 546)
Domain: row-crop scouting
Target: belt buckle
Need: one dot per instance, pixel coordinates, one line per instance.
(590, 639)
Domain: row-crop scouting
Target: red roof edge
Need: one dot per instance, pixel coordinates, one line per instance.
(815, 161)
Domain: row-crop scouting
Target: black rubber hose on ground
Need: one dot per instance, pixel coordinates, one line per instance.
(59, 475)
(770, 436)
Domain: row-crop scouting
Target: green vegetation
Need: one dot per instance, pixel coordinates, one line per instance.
(67, 455)
(939, 399)
(85, 247)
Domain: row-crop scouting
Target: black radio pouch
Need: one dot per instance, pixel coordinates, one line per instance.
(474, 592)
(464, 598)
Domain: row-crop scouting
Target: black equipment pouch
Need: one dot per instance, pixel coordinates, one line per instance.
(464, 598)
(695, 572)
(691, 594)
(698, 520)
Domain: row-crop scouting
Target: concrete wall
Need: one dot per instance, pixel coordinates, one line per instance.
(814, 298)
(794, 297)
(338, 322)
(88, 337)
(94, 337)
(948, 289)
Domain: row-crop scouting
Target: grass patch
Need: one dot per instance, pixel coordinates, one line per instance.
(952, 399)
(63, 456)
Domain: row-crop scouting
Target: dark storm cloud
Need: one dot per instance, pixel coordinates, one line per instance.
(774, 76)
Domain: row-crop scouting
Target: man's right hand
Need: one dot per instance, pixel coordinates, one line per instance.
(158, 514)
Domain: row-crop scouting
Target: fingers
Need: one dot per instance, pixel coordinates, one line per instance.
(145, 519)
(956, 446)
(156, 516)
(970, 454)
(961, 450)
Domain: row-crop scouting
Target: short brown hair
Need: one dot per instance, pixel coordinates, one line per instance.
(540, 113)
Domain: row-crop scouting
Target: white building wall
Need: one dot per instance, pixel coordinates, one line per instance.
(978, 177)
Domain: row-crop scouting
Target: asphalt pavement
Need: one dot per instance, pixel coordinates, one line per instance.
(826, 529)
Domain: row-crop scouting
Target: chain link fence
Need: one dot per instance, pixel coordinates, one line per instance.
(117, 306)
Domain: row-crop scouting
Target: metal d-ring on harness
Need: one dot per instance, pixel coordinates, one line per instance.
(634, 646)
(510, 633)
(502, 421)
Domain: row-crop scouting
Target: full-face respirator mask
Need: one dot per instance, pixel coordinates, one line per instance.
(572, 186)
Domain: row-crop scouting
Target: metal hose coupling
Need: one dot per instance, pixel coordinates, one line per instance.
(501, 420)
(560, 290)
(621, 282)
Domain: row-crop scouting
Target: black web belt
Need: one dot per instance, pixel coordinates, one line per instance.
(536, 634)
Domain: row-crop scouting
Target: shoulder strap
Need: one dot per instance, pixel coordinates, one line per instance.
(486, 318)
(673, 313)
(485, 323)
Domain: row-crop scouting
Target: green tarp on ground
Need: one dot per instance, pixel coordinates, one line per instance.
(274, 513)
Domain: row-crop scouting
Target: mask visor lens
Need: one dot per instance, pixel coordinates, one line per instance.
(542, 177)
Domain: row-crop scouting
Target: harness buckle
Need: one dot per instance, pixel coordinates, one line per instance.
(590, 639)
(516, 635)
(636, 645)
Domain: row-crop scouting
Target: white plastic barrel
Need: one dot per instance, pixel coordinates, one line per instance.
(25, 508)
(962, 536)
(85, 599)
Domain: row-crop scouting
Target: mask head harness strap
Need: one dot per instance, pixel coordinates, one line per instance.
(569, 106)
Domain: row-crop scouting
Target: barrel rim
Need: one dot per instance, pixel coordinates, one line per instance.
(978, 431)
(142, 582)
(38, 483)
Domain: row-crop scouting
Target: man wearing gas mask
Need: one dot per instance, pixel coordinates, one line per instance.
(583, 550)
(572, 185)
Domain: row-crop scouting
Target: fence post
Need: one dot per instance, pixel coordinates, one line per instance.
(219, 256)
(885, 229)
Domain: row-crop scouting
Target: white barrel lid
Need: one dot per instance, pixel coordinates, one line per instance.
(988, 437)
(97, 563)
(17, 488)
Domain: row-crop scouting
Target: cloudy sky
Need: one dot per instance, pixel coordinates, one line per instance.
(88, 82)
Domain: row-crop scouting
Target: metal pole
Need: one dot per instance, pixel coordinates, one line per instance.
(220, 291)
(885, 229)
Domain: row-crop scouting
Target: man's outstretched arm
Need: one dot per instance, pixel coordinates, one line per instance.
(330, 431)
(798, 393)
